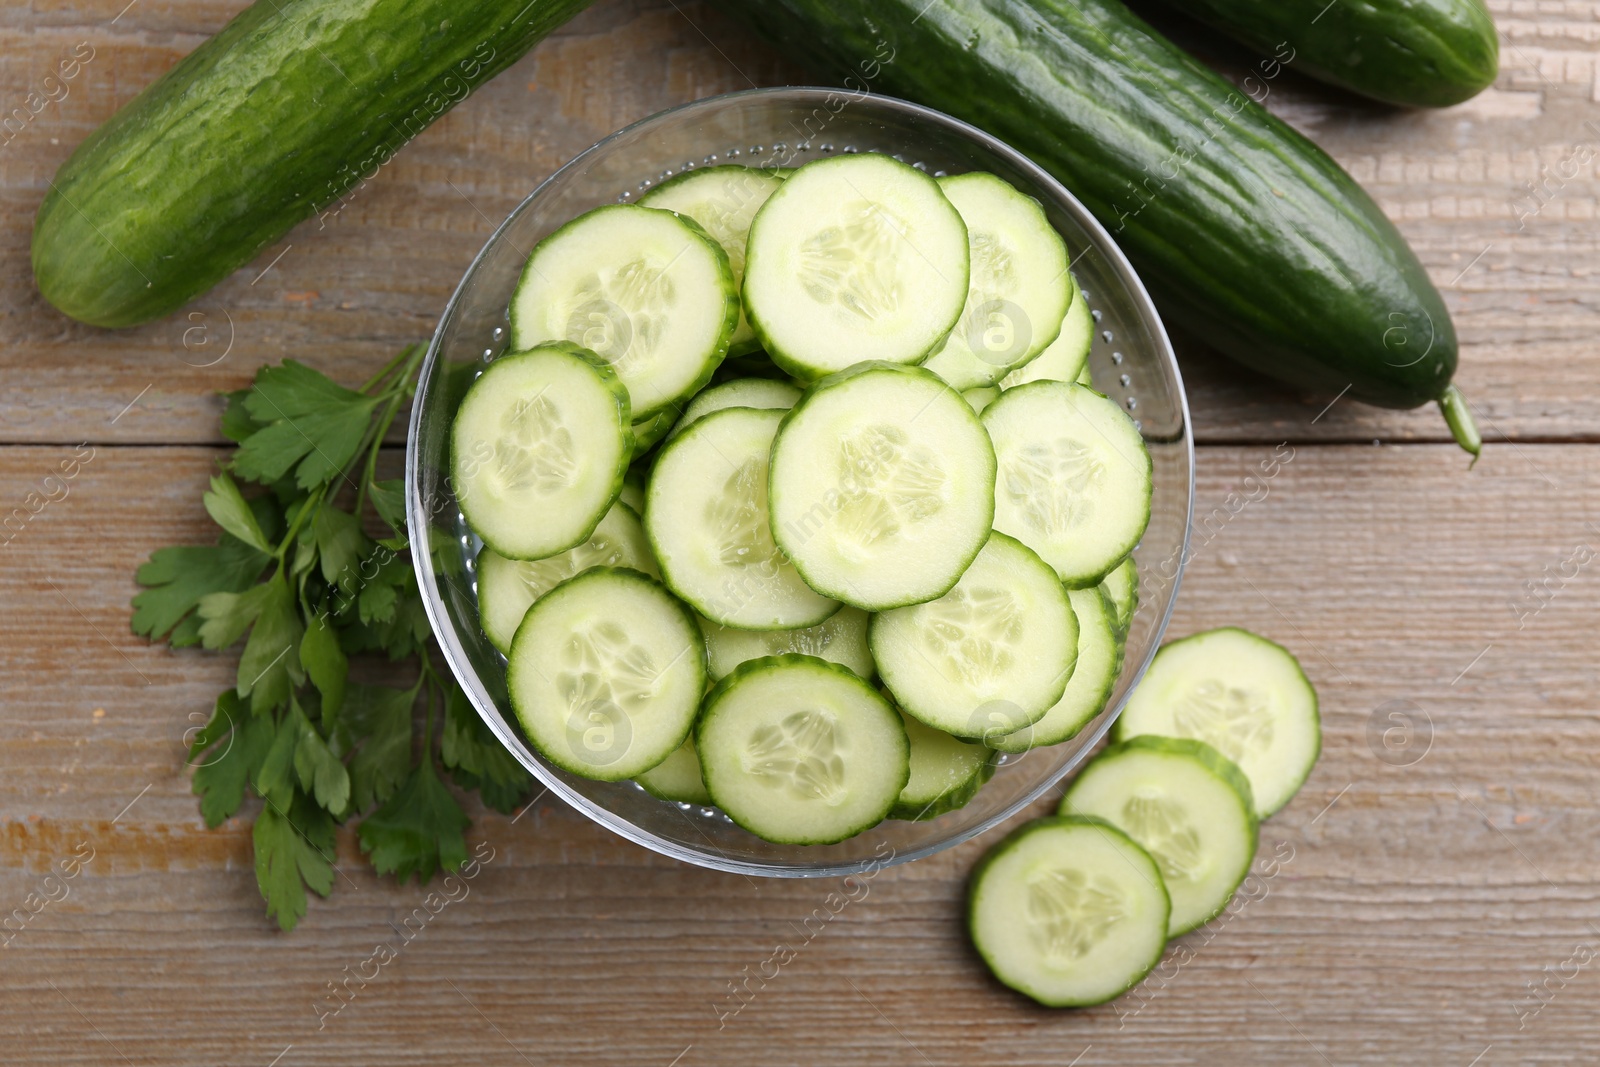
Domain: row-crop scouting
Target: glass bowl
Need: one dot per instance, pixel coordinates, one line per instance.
(1131, 362)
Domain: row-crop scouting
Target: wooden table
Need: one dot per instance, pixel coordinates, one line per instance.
(1433, 899)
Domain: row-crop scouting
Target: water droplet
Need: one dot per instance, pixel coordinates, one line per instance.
(780, 146)
(498, 331)
(1125, 380)
(712, 158)
(825, 147)
(1116, 357)
(734, 153)
(850, 148)
(1106, 336)
(647, 183)
(1133, 402)
(1138, 424)
(1094, 313)
(919, 165)
(941, 173)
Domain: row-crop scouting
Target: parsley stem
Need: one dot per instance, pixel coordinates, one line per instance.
(405, 354)
(385, 420)
(312, 502)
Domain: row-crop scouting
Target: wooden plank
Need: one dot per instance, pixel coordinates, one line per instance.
(346, 293)
(1412, 902)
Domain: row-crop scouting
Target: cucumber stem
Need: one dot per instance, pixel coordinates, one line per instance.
(1458, 415)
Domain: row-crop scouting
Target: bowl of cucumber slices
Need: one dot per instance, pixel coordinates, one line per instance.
(808, 481)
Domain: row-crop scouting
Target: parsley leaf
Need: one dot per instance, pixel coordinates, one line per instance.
(340, 544)
(180, 577)
(236, 756)
(309, 424)
(270, 666)
(389, 501)
(289, 857)
(325, 663)
(418, 830)
(378, 719)
(477, 758)
(319, 771)
(227, 506)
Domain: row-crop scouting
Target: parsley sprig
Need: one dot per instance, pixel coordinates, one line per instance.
(297, 577)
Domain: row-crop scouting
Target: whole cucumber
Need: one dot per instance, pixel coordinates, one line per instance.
(1247, 233)
(277, 116)
(1416, 53)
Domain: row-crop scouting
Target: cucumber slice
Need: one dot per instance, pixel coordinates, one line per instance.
(507, 588)
(646, 290)
(1187, 806)
(722, 200)
(855, 257)
(1085, 378)
(677, 778)
(1074, 477)
(981, 397)
(649, 432)
(632, 494)
(800, 751)
(539, 448)
(946, 772)
(990, 656)
(707, 518)
(1019, 288)
(1244, 696)
(768, 393)
(1069, 911)
(1098, 665)
(1122, 586)
(606, 674)
(841, 639)
(879, 480)
(1064, 358)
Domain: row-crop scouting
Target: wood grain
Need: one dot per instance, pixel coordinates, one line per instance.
(1423, 878)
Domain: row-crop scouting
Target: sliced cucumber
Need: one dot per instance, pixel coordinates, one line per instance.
(1098, 664)
(882, 485)
(841, 639)
(1069, 911)
(632, 494)
(707, 518)
(766, 393)
(649, 432)
(946, 772)
(1085, 378)
(990, 656)
(722, 200)
(855, 257)
(1186, 805)
(1019, 288)
(1064, 358)
(1241, 694)
(539, 448)
(1122, 586)
(1074, 477)
(981, 397)
(677, 778)
(606, 674)
(507, 588)
(801, 751)
(646, 290)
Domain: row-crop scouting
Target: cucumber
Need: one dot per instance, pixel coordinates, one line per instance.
(1074, 481)
(275, 118)
(981, 397)
(882, 485)
(1065, 358)
(722, 200)
(800, 751)
(1099, 662)
(507, 588)
(606, 674)
(1068, 911)
(632, 494)
(1122, 587)
(739, 393)
(946, 772)
(990, 656)
(1085, 378)
(1415, 53)
(841, 639)
(650, 431)
(1244, 696)
(707, 519)
(1019, 288)
(676, 778)
(1247, 234)
(855, 257)
(538, 450)
(1184, 804)
(646, 290)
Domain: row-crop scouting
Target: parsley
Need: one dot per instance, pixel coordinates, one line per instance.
(296, 575)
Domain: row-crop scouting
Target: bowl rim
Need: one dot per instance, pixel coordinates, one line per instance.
(455, 656)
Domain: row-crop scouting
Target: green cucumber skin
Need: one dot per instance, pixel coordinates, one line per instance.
(1247, 234)
(1415, 53)
(949, 801)
(279, 115)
